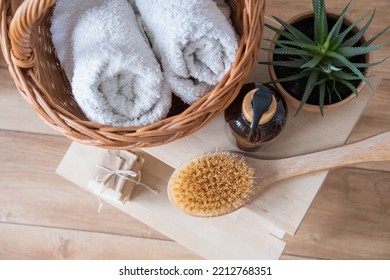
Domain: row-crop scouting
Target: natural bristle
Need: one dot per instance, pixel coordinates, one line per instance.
(212, 185)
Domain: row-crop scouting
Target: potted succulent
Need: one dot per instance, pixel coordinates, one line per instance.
(321, 60)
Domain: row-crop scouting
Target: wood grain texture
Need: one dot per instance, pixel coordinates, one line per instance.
(32, 193)
(372, 149)
(376, 116)
(239, 235)
(60, 244)
(375, 119)
(15, 111)
(349, 219)
(345, 221)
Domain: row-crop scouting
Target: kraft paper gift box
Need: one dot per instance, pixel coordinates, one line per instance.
(109, 174)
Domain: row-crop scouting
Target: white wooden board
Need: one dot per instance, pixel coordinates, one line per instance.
(240, 235)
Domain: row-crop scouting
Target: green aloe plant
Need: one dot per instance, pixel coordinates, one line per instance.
(325, 59)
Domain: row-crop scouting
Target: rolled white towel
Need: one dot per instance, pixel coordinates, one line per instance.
(115, 77)
(194, 42)
(224, 7)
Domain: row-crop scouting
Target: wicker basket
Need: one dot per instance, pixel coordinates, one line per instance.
(28, 50)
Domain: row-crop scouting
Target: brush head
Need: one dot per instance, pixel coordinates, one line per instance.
(211, 185)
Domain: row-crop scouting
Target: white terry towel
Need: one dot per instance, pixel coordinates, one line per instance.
(115, 77)
(224, 7)
(194, 42)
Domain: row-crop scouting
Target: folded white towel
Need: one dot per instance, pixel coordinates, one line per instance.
(115, 77)
(194, 42)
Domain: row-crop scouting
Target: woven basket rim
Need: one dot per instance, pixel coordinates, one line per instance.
(124, 138)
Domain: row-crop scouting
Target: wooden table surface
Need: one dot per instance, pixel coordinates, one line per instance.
(43, 216)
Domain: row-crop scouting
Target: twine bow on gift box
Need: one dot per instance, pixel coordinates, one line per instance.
(109, 174)
(116, 175)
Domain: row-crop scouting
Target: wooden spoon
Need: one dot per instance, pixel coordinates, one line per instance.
(266, 173)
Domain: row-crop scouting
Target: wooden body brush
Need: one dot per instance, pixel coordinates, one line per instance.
(219, 183)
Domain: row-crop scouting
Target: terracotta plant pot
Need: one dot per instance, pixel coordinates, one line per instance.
(311, 107)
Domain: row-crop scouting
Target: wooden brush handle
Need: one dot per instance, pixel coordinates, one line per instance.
(373, 149)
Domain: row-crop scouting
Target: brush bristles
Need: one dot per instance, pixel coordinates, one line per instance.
(212, 185)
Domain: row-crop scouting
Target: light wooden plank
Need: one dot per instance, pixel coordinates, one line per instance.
(375, 119)
(240, 235)
(376, 116)
(292, 257)
(349, 219)
(18, 242)
(32, 193)
(371, 126)
(16, 114)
